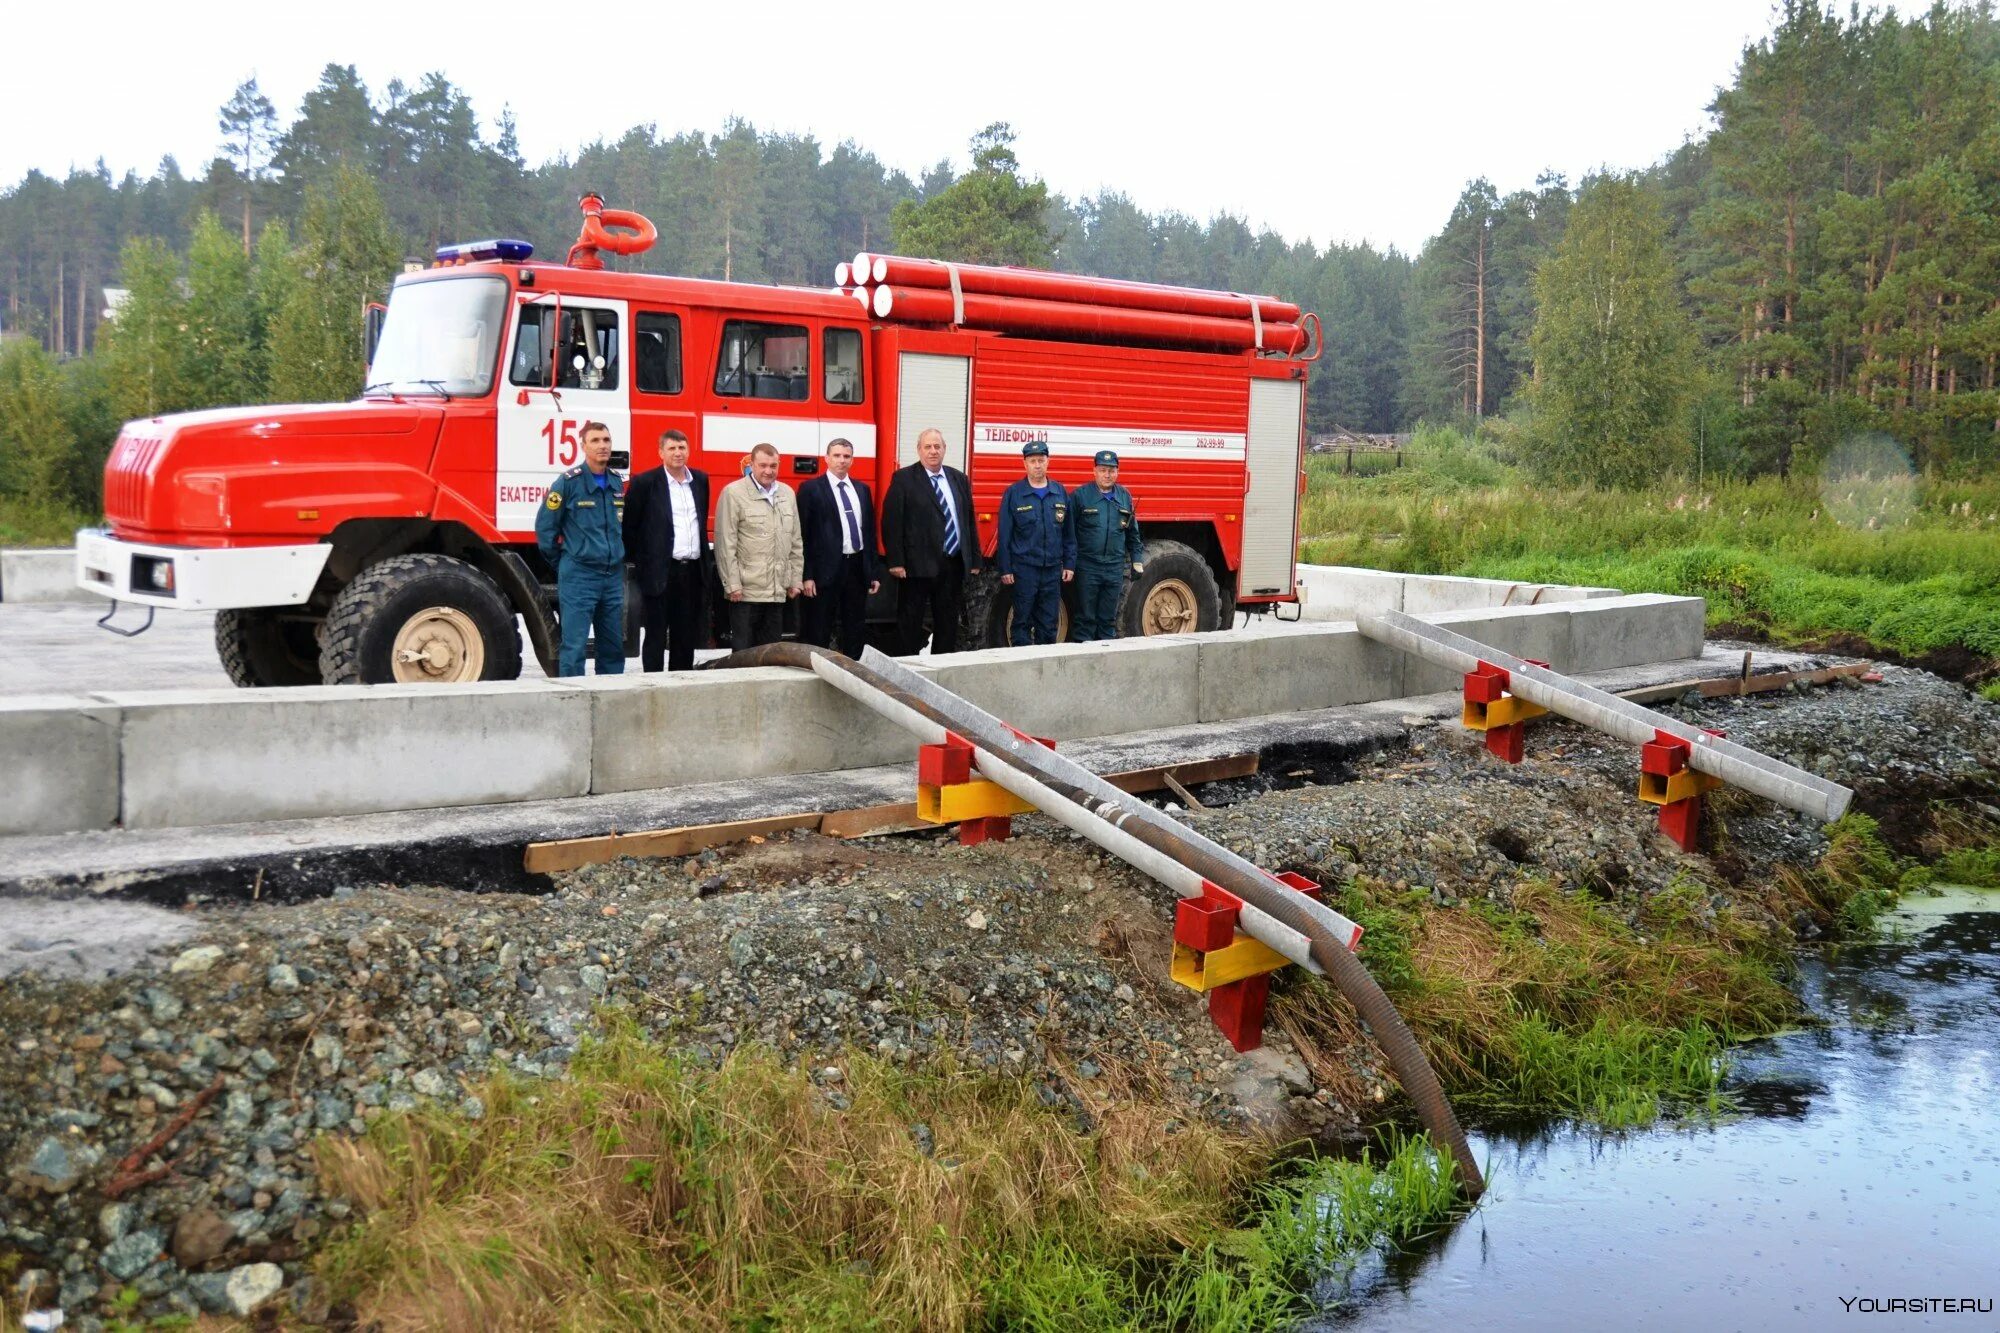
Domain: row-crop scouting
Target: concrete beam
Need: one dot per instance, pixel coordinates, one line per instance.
(1262, 671)
(226, 756)
(1067, 690)
(713, 726)
(41, 576)
(1541, 632)
(61, 758)
(1341, 592)
(1644, 627)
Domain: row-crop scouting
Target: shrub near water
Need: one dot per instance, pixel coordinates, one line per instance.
(642, 1192)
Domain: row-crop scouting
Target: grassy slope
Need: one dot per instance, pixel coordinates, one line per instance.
(1911, 565)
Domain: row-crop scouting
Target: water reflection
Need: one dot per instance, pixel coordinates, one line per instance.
(1864, 1165)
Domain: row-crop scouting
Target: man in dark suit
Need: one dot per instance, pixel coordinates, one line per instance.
(930, 544)
(666, 526)
(838, 518)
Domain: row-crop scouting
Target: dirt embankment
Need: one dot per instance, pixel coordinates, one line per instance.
(1039, 956)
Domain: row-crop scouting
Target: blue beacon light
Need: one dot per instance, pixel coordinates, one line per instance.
(469, 252)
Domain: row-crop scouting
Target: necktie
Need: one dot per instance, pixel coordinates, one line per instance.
(853, 523)
(950, 523)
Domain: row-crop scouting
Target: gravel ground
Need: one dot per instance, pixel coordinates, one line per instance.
(1038, 955)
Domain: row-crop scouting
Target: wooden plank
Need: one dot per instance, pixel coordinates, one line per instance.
(570, 853)
(1713, 687)
(1187, 797)
(1200, 770)
(871, 820)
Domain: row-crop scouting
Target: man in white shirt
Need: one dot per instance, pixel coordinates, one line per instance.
(666, 525)
(930, 545)
(837, 517)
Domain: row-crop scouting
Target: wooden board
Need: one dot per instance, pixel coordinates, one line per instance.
(1716, 687)
(546, 857)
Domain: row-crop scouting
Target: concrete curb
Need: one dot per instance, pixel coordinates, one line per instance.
(199, 757)
(41, 576)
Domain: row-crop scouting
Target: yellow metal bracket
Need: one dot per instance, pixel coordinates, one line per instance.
(1242, 957)
(1669, 788)
(1502, 712)
(960, 801)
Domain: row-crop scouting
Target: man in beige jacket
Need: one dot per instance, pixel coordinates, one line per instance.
(760, 551)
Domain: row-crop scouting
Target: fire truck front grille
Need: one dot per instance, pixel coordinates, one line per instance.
(126, 479)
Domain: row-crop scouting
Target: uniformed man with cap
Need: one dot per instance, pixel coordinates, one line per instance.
(1107, 547)
(580, 530)
(1037, 548)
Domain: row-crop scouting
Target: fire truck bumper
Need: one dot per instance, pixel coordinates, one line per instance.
(191, 578)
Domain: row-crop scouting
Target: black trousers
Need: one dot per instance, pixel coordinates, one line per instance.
(840, 612)
(942, 597)
(754, 624)
(670, 623)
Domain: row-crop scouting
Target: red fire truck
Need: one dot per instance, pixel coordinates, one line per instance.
(392, 538)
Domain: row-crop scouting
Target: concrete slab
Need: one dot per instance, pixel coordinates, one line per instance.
(1341, 592)
(61, 758)
(715, 726)
(1067, 690)
(1429, 593)
(1260, 671)
(222, 756)
(1644, 627)
(479, 848)
(41, 576)
(1540, 632)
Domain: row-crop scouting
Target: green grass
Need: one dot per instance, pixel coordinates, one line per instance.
(1909, 563)
(646, 1192)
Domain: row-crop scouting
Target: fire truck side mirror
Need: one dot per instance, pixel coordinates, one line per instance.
(371, 330)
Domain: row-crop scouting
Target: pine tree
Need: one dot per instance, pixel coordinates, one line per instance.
(1455, 283)
(249, 125)
(1614, 353)
(346, 255)
(988, 216)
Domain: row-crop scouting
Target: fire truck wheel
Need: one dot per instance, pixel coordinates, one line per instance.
(262, 647)
(420, 618)
(1176, 595)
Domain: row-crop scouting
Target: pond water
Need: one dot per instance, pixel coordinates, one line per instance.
(1863, 1171)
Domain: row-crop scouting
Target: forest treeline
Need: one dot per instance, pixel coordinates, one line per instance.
(1824, 262)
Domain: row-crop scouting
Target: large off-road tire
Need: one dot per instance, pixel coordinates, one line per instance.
(1176, 595)
(266, 646)
(421, 618)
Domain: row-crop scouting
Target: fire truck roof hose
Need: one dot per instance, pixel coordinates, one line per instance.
(1062, 788)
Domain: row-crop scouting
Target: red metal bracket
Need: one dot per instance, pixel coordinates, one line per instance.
(945, 765)
(1208, 924)
(1665, 780)
(1489, 695)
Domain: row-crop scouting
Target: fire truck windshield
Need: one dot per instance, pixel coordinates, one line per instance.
(440, 337)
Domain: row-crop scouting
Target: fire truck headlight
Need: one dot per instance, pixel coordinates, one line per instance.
(154, 573)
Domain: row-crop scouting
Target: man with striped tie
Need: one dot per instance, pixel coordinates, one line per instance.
(929, 544)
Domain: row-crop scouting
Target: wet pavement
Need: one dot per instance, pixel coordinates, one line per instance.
(1864, 1171)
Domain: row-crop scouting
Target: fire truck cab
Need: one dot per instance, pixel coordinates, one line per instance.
(392, 538)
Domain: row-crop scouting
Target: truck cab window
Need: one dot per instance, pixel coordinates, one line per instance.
(586, 355)
(761, 360)
(843, 366)
(656, 351)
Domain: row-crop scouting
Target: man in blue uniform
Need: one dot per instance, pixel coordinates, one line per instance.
(1037, 549)
(1107, 545)
(580, 529)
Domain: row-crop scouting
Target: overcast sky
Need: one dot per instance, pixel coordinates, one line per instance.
(1335, 121)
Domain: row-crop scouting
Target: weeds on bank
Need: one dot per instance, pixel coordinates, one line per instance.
(1912, 564)
(644, 1192)
(1555, 1005)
